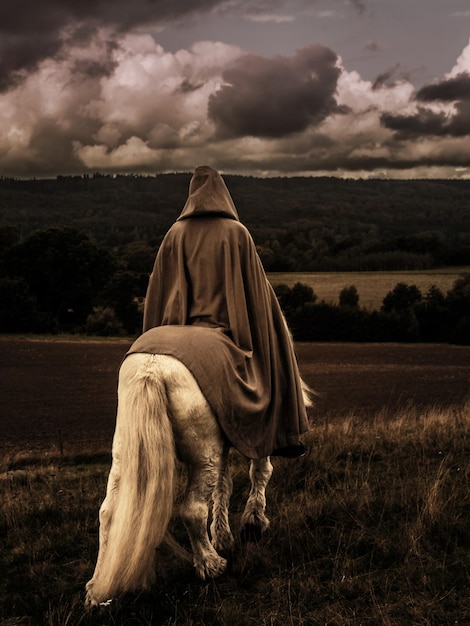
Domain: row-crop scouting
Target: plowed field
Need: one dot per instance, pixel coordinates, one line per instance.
(61, 393)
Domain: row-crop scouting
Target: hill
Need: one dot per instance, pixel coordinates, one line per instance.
(303, 224)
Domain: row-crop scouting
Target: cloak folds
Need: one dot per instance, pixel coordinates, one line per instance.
(210, 305)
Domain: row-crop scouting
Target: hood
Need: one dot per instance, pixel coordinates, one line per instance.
(208, 195)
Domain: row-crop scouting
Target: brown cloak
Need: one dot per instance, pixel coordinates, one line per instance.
(210, 305)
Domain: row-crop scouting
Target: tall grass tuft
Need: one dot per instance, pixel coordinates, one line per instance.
(371, 527)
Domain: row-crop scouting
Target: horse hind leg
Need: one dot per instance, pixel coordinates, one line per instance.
(254, 521)
(105, 515)
(195, 512)
(200, 446)
(221, 534)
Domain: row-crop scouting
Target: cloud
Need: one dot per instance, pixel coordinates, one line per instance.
(119, 102)
(31, 32)
(272, 97)
(448, 90)
(325, 14)
(68, 115)
(385, 78)
(428, 122)
(374, 46)
(44, 113)
(443, 107)
(423, 122)
(269, 17)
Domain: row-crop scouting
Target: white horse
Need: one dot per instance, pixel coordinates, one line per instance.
(162, 414)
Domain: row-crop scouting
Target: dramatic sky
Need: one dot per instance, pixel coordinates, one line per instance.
(353, 88)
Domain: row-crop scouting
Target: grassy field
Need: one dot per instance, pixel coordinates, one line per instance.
(371, 286)
(371, 527)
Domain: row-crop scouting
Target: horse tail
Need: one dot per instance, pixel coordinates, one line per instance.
(307, 394)
(143, 502)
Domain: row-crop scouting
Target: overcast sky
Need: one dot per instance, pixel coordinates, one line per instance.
(353, 88)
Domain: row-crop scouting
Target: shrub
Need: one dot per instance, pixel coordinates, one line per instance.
(104, 322)
(349, 297)
(402, 298)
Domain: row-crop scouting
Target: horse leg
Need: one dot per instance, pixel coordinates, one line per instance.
(105, 516)
(254, 521)
(195, 511)
(201, 447)
(221, 534)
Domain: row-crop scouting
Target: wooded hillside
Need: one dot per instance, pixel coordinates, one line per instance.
(76, 253)
(303, 224)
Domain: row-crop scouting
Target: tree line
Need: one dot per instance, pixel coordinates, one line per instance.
(406, 315)
(61, 280)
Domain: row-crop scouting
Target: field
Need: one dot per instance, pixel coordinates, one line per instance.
(372, 287)
(60, 394)
(371, 527)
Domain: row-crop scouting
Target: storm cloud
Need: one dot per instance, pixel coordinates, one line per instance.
(101, 86)
(33, 31)
(448, 90)
(278, 96)
(424, 122)
(430, 122)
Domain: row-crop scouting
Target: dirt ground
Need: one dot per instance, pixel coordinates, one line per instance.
(61, 393)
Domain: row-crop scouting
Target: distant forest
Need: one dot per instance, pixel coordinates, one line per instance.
(298, 224)
(76, 252)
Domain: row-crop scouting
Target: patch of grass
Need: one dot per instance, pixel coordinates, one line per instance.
(371, 527)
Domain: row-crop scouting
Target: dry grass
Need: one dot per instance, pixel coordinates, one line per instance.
(371, 527)
(372, 287)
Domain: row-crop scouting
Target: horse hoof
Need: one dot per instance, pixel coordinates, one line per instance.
(251, 533)
(211, 568)
(90, 600)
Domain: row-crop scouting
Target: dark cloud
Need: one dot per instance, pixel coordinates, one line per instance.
(373, 46)
(450, 90)
(428, 122)
(17, 53)
(392, 77)
(460, 123)
(187, 86)
(424, 122)
(277, 96)
(50, 150)
(91, 68)
(24, 16)
(33, 31)
(386, 78)
(339, 158)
